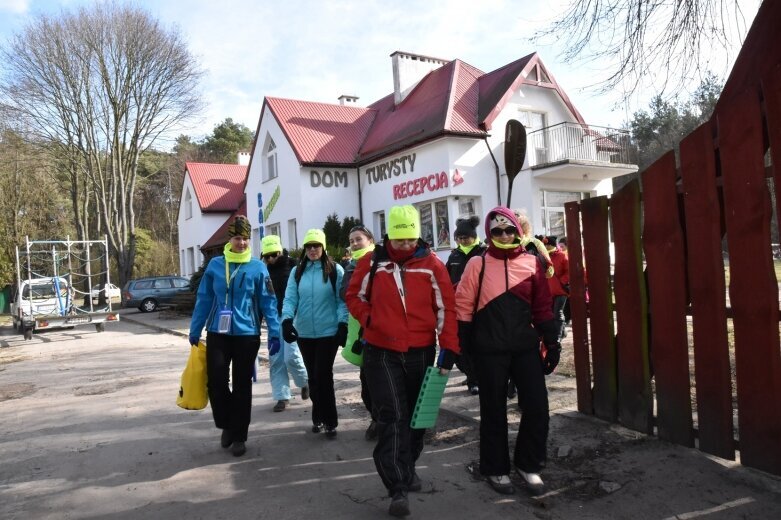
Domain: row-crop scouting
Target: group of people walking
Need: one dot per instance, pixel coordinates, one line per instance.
(397, 310)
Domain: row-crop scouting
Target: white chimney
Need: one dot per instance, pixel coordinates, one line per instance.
(408, 70)
(346, 99)
(243, 159)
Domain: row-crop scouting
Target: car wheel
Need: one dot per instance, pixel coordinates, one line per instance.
(148, 305)
(28, 334)
(100, 327)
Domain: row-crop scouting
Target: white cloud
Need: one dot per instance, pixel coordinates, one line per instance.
(15, 6)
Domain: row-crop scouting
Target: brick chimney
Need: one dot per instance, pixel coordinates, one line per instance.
(346, 99)
(408, 70)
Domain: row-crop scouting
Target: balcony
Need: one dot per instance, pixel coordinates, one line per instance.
(573, 151)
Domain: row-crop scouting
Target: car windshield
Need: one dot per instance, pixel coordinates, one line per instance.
(44, 290)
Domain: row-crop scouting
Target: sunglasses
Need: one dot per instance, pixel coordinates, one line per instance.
(312, 246)
(360, 228)
(271, 255)
(497, 232)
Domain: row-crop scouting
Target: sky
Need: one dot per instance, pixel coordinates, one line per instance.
(318, 50)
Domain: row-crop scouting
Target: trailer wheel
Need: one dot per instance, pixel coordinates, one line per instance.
(28, 334)
(100, 327)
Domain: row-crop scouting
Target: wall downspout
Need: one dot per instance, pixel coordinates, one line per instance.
(498, 175)
(360, 197)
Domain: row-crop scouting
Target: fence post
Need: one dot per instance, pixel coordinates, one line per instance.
(713, 381)
(665, 255)
(577, 305)
(753, 285)
(596, 245)
(635, 402)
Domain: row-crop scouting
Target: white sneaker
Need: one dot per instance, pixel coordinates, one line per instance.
(532, 480)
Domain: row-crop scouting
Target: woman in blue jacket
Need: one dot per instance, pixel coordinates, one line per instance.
(315, 315)
(234, 295)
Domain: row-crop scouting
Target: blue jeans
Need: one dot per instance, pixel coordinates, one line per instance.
(284, 365)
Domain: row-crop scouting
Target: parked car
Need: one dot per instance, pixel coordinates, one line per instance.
(114, 292)
(149, 293)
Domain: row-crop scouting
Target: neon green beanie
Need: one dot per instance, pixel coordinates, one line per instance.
(271, 244)
(403, 222)
(315, 235)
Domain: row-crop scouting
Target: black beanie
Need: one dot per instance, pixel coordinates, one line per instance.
(467, 227)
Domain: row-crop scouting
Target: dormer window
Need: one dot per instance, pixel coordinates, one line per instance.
(270, 160)
(188, 204)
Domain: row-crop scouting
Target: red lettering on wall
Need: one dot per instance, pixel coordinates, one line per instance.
(433, 182)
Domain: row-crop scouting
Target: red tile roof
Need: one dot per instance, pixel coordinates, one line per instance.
(322, 132)
(218, 187)
(220, 237)
(456, 98)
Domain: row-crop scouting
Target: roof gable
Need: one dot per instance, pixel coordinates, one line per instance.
(498, 86)
(218, 187)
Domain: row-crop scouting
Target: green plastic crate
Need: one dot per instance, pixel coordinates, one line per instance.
(429, 399)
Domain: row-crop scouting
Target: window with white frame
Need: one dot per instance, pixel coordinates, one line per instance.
(273, 229)
(292, 233)
(379, 224)
(190, 260)
(466, 207)
(435, 224)
(552, 206)
(270, 160)
(188, 204)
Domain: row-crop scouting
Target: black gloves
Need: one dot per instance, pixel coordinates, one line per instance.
(341, 335)
(446, 358)
(357, 346)
(465, 336)
(551, 359)
(289, 332)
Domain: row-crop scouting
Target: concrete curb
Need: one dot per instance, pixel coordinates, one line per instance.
(166, 330)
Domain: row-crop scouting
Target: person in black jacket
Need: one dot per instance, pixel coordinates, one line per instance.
(288, 362)
(468, 247)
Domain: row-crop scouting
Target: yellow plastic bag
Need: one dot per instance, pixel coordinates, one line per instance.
(192, 390)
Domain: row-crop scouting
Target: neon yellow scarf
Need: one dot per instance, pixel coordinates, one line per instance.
(236, 258)
(467, 249)
(515, 244)
(357, 255)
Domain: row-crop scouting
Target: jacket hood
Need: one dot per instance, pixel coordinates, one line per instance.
(505, 212)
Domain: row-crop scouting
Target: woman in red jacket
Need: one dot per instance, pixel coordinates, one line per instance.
(402, 297)
(504, 305)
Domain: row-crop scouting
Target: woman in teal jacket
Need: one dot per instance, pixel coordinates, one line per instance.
(315, 315)
(234, 295)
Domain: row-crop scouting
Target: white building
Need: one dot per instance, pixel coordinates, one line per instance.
(437, 142)
(211, 193)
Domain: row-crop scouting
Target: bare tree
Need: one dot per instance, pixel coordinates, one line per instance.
(103, 83)
(671, 41)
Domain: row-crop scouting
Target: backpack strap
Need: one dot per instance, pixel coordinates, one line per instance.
(479, 285)
(372, 272)
(332, 275)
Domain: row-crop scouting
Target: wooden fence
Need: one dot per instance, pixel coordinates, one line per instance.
(634, 357)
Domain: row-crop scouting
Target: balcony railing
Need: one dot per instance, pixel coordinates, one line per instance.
(566, 142)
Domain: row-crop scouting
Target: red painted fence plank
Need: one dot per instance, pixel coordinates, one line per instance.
(706, 285)
(753, 285)
(665, 256)
(577, 304)
(597, 260)
(635, 402)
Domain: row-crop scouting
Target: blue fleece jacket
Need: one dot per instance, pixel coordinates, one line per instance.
(316, 308)
(250, 298)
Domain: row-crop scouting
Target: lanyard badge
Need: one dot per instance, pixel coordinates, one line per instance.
(225, 316)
